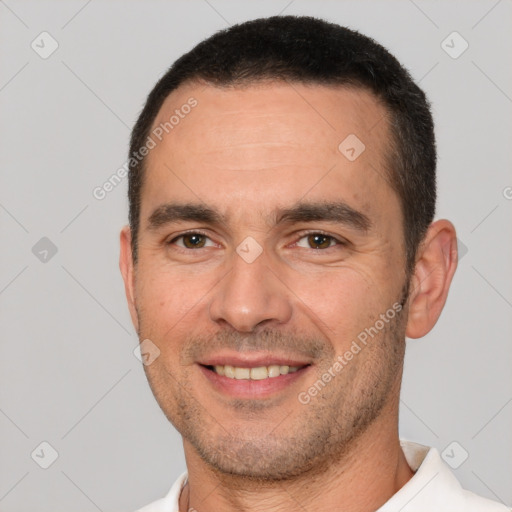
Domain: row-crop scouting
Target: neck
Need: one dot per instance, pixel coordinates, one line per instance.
(370, 472)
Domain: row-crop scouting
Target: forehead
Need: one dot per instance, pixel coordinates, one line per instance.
(272, 113)
(269, 141)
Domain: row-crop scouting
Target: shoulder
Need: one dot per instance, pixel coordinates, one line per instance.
(434, 487)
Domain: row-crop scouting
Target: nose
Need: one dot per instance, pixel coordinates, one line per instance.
(251, 295)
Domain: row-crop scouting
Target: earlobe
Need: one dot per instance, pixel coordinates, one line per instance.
(436, 263)
(127, 271)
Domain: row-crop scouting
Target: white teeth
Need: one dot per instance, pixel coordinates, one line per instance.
(259, 373)
(284, 370)
(275, 370)
(229, 371)
(242, 373)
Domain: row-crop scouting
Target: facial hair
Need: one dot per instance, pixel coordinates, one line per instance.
(305, 438)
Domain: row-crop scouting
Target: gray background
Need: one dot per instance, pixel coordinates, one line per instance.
(67, 369)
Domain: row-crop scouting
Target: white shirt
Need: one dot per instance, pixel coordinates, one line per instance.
(433, 488)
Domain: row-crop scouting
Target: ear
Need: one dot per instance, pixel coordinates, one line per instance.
(436, 263)
(127, 270)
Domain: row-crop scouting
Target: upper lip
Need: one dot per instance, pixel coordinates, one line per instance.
(251, 360)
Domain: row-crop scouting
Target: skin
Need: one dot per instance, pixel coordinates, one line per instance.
(247, 152)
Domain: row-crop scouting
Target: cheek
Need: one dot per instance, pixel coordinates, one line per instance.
(164, 298)
(340, 302)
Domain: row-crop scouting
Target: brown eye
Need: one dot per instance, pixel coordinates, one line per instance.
(191, 241)
(318, 241)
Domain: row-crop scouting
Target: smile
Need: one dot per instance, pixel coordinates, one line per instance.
(256, 379)
(258, 373)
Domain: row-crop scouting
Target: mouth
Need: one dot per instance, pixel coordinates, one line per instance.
(256, 373)
(254, 379)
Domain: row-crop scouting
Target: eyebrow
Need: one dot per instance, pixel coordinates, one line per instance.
(337, 212)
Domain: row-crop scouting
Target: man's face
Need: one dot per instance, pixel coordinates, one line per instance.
(268, 288)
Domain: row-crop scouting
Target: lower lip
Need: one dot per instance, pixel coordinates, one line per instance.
(247, 388)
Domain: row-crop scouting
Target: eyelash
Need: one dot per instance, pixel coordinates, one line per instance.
(301, 236)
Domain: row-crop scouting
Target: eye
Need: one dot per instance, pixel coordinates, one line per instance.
(192, 240)
(318, 241)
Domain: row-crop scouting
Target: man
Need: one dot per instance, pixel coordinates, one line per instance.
(281, 247)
